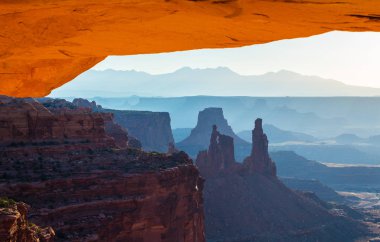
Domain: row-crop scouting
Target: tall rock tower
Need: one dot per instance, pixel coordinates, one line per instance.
(259, 160)
(220, 155)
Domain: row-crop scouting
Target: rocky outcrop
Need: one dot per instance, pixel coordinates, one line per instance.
(114, 130)
(152, 198)
(259, 160)
(172, 149)
(199, 136)
(93, 190)
(84, 103)
(134, 143)
(148, 130)
(220, 155)
(15, 227)
(111, 195)
(247, 202)
(118, 133)
(152, 129)
(44, 44)
(28, 121)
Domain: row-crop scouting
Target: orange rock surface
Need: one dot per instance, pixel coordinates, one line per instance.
(45, 43)
(14, 225)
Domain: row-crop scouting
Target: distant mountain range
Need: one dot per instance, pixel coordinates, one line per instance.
(276, 135)
(356, 178)
(219, 81)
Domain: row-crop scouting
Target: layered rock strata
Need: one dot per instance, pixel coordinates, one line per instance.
(90, 189)
(148, 130)
(28, 121)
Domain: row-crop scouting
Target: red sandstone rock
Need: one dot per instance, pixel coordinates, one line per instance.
(14, 226)
(114, 130)
(86, 188)
(148, 130)
(26, 121)
(118, 133)
(123, 201)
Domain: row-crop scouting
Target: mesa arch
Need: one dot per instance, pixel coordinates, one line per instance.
(46, 43)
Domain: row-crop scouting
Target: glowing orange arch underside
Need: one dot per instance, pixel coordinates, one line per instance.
(46, 43)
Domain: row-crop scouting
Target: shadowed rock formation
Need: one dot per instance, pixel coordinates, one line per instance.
(148, 130)
(259, 160)
(134, 143)
(220, 155)
(247, 202)
(118, 133)
(152, 129)
(172, 149)
(78, 181)
(199, 136)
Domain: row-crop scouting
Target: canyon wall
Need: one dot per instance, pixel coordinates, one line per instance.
(90, 189)
(26, 121)
(151, 205)
(148, 130)
(152, 129)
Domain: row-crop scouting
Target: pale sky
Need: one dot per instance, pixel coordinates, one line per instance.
(352, 58)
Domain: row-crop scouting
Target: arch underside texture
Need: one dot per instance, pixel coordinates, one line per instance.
(46, 43)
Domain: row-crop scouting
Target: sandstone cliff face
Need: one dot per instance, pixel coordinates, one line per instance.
(118, 133)
(148, 130)
(112, 129)
(93, 190)
(14, 226)
(247, 202)
(107, 204)
(28, 121)
(199, 136)
(152, 129)
(45, 43)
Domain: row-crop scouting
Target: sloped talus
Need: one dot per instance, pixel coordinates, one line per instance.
(45, 43)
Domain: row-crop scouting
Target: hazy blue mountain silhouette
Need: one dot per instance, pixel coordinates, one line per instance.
(219, 81)
(276, 135)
